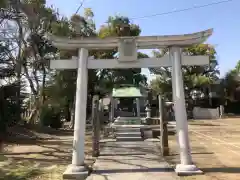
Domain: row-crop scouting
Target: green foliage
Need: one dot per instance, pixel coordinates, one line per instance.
(9, 106)
(33, 50)
(8, 89)
(163, 86)
(3, 3)
(50, 116)
(119, 26)
(194, 76)
(61, 87)
(19, 172)
(231, 83)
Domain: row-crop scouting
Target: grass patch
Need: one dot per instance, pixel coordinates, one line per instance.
(2, 158)
(20, 173)
(54, 172)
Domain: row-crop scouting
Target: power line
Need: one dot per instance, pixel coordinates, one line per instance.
(79, 7)
(182, 10)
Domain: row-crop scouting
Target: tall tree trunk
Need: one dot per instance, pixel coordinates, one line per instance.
(18, 60)
(41, 97)
(34, 112)
(67, 112)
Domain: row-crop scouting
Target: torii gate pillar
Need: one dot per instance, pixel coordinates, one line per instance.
(186, 165)
(78, 169)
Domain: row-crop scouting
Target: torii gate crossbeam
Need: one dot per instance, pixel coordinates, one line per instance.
(175, 59)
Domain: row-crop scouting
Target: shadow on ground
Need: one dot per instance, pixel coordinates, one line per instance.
(222, 169)
(48, 151)
(199, 153)
(44, 153)
(25, 135)
(132, 170)
(205, 124)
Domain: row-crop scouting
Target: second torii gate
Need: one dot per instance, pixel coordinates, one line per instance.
(128, 59)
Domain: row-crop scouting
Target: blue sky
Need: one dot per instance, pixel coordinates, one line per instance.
(223, 18)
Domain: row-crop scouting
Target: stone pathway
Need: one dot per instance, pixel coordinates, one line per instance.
(131, 161)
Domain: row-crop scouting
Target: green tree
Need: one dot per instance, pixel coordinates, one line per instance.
(8, 88)
(120, 26)
(231, 82)
(29, 21)
(194, 76)
(61, 88)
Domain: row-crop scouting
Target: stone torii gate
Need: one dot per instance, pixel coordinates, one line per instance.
(128, 47)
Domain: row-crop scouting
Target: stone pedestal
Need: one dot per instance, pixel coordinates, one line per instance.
(183, 170)
(75, 172)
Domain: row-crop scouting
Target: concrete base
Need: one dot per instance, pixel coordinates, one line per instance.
(187, 170)
(75, 172)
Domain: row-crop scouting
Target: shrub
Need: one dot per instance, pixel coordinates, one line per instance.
(50, 116)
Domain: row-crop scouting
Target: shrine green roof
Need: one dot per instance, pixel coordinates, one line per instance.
(126, 92)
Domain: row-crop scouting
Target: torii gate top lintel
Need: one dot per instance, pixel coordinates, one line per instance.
(142, 42)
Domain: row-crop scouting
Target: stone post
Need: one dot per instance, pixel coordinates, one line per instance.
(148, 111)
(163, 128)
(77, 169)
(95, 126)
(112, 109)
(221, 111)
(138, 107)
(186, 166)
(149, 104)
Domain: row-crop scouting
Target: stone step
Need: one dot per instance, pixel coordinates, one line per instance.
(128, 126)
(124, 129)
(129, 139)
(128, 134)
(127, 123)
(119, 120)
(124, 122)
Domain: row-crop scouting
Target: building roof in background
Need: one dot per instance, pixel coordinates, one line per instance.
(126, 92)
